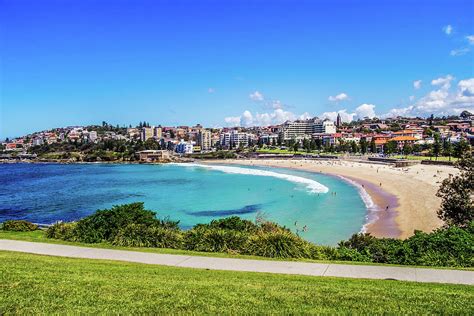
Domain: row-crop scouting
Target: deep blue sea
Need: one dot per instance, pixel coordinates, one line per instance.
(45, 193)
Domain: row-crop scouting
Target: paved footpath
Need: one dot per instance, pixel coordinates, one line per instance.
(268, 266)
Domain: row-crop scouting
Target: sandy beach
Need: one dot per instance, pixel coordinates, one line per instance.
(409, 192)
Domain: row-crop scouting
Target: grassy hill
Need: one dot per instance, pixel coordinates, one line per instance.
(41, 284)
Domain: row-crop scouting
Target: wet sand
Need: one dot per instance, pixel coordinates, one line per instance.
(409, 192)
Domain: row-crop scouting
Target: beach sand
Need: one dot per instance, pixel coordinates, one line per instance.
(409, 192)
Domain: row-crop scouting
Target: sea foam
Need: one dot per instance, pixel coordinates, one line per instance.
(372, 208)
(311, 185)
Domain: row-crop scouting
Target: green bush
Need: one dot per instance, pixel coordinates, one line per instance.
(231, 223)
(133, 226)
(19, 226)
(448, 246)
(215, 240)
(64, 231)
(278, 244)
(104, 225)
(140, 235)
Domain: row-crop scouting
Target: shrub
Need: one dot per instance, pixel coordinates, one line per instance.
(104, 225)
(451, 246)
(19, 226)
(231, 223)
(64, 231)
(140, 235)
(278, 244)
(349, 254)
(215, 240)
(448, 246)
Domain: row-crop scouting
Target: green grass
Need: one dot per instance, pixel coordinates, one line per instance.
(412, 157)
(32, 284)
(39, 236)
(292, 152)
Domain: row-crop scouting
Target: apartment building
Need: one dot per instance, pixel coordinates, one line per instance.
(146, 133)
(305, 128)
(204, 140)
(234, 139)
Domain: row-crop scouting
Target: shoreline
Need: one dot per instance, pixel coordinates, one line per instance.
(409, 192)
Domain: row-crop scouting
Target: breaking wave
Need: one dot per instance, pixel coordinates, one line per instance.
(372, 208)
(311, 185)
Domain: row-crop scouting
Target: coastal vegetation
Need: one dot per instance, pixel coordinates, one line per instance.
(18, 226)
(132, 226)
(34, 284)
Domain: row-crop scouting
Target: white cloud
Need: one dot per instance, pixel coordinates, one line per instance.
(256, 96)
(443, 101)
(305, 116)
(340, 97)
(276, 104)
(466, 87)
(211, 90)
(412, 98)
(470, 39)
(417, 84)
(232, 121)
(365, 110)
(448, 29)
(345, 116)
(248, 119)
(459, 51)
(444, 82)
(362, 111)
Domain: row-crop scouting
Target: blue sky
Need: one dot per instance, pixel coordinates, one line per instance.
(187, 62)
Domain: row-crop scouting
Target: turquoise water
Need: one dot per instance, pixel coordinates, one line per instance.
(45, 193)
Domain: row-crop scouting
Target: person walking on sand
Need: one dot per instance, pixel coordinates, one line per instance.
(386, 209)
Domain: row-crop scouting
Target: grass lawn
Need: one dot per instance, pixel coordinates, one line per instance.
(412, 157)
(42, 284)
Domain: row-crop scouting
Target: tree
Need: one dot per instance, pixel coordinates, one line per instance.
(461, 148)
(354, 147)
(373, 146)
(363, 146)
(436, 148)
(296, 145)
(447, 148)
(407, 148)
(456, 195)
(390, 147)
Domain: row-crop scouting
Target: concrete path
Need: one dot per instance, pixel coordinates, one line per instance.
(213, 263)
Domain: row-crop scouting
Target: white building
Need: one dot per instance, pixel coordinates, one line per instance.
(92, 136)
(234, 139)
(300, 129)
(184, 147)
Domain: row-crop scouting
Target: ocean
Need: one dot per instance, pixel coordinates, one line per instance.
(320, 208)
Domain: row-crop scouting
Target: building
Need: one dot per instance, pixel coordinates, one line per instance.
(402, 140)
(305, 128)
(92, 136)
(154, 155)
(184, 147)
(158, 132)
(37, 141)
(146, 133)
(234, 139)
(338, 120)
(204, 140)
(269, 139)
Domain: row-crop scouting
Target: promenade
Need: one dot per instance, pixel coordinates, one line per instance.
(248, 265)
